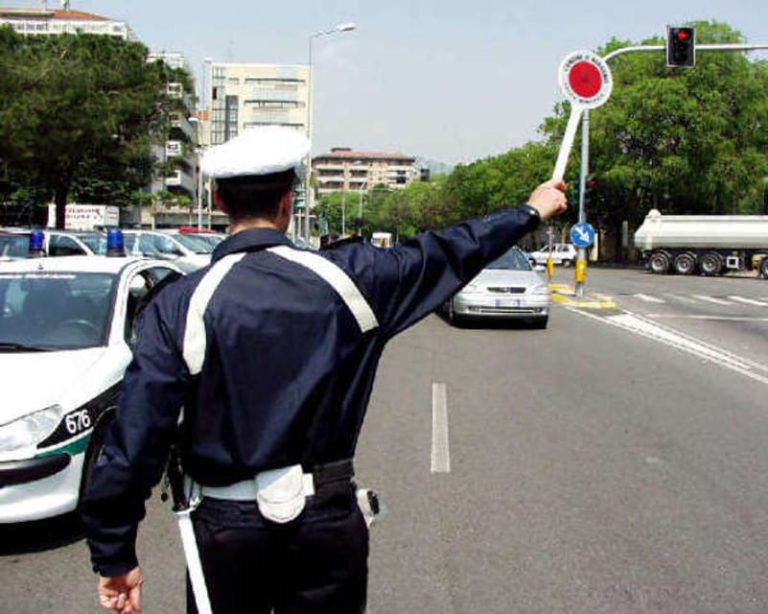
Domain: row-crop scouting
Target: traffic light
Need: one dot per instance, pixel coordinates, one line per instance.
(681, 47)
(424, 174)
(589, 189)
(299, 201)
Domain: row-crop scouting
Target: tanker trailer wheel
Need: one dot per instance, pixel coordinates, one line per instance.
(684, 264)
(711, 264)
(659, 263)
(764, 267)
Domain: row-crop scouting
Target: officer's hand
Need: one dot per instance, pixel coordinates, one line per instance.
(549, 199)
(121, 593)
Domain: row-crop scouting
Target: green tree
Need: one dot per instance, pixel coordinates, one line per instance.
(79, 112)
(332, 205)
(495, 183)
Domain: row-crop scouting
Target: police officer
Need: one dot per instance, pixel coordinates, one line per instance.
(271, 351)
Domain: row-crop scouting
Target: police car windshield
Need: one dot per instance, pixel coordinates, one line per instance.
(14, 246)
(513, 259)
(54, 311)
(194, 243)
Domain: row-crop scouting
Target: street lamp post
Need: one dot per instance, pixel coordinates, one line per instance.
(342, 27)
(360, 209)
(199, 173)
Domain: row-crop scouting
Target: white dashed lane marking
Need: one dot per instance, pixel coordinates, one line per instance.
(649, 299)
(441, 458)
(712, 299)
(682, 299)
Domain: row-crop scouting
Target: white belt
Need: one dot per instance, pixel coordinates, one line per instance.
(248, 489)
(280, 493)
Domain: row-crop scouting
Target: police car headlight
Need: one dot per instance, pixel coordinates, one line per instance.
(30, 429)
(540, 289)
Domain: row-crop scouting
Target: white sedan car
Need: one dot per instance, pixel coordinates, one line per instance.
(66, 329)
(507, 288)
(163, 245)
(564, 254)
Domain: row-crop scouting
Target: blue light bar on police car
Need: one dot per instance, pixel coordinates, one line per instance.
(115, 243)
(36, 244)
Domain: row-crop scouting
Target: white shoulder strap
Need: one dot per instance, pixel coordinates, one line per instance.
(337, 279)
(194, 335)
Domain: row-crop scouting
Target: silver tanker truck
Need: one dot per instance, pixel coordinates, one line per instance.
(709, 244)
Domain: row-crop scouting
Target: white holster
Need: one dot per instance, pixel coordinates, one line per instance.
(280, 493)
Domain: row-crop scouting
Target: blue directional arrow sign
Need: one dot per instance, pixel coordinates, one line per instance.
(582, 235)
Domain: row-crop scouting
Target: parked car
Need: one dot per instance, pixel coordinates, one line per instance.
(55, 243)
(166, 246)
(564, 254)
(13, 245)
(199, 243)
(509, 288)
(66, 331)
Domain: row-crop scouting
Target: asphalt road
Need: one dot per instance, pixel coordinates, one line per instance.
(593, 467)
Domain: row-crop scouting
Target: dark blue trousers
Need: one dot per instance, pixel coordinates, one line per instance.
(317, 563)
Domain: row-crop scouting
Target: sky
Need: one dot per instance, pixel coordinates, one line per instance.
(447, 80)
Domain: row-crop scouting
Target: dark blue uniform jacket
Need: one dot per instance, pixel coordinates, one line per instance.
(287, 371)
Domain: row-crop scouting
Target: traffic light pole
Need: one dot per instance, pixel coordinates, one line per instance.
(581, 258)
(581, 262)
(712, 47)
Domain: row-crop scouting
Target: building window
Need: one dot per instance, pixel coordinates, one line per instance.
(275, 104)
(175, 90)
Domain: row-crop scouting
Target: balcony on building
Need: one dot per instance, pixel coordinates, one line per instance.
(183, 181)
(181, 124)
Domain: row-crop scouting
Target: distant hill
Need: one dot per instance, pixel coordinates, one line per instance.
(435, 168)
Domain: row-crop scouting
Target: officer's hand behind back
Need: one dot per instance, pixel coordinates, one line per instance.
(549, 199)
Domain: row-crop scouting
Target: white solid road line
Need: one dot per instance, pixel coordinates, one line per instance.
(712, 299)
(748, 301)
(441, 458)
(649, 299)
(686, 343)
(682, 316)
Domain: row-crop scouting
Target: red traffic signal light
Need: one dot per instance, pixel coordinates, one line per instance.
(681, 47)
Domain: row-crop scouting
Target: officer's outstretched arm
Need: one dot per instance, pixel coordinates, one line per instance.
(136, 445)
(416, 277)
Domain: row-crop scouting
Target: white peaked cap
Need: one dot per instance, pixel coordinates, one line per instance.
(258, 151)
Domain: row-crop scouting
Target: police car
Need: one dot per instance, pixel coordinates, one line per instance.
(14, 243)
(66, 330)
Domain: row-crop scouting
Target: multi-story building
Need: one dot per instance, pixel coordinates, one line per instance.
(344, 169)
(240, 96)
(180, 150)
(38, 22)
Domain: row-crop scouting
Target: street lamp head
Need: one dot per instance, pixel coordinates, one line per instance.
(345, 27)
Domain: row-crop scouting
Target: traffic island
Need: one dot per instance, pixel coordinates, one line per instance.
(565, 294)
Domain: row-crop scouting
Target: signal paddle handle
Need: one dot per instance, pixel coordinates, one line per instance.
(567, 145)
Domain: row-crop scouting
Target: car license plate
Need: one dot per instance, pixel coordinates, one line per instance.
(507, 302)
